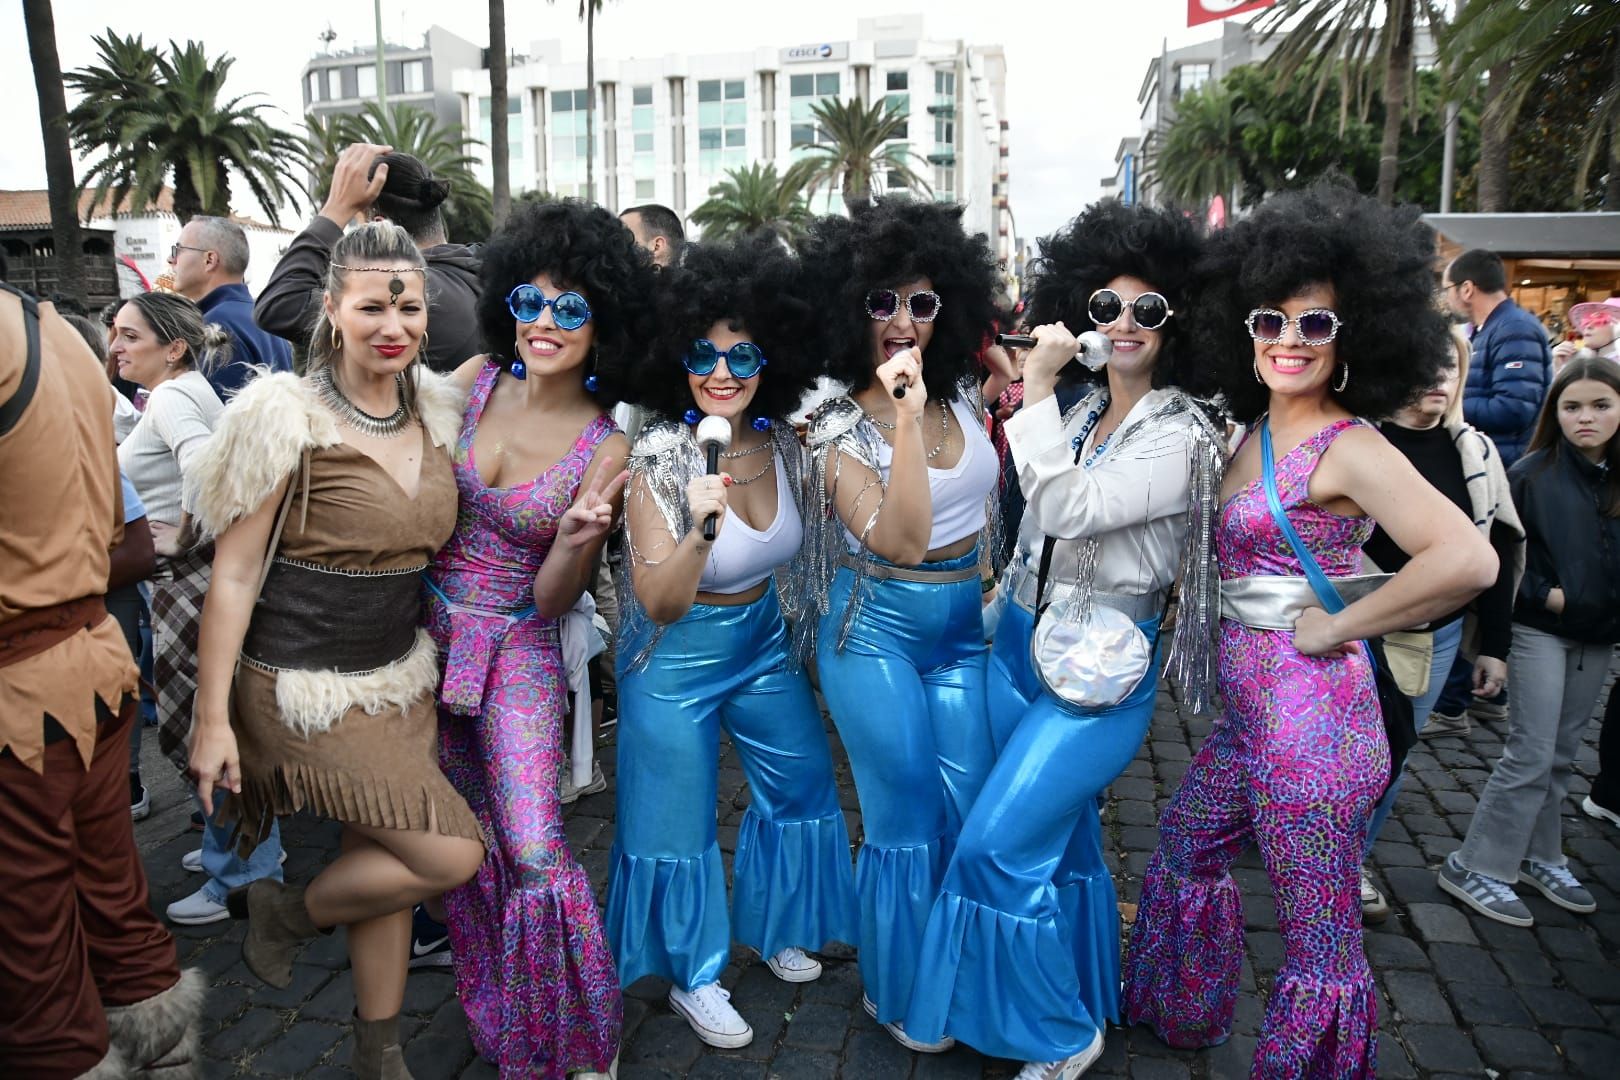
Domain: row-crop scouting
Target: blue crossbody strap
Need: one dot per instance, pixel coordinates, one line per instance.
(1326, 593)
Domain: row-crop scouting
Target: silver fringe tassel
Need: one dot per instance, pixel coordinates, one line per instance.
(1191, 662)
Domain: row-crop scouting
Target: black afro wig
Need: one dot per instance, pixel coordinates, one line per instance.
(580, 247)
(897, 241)
(1108, 240)
(1379, 262)
(751, 283)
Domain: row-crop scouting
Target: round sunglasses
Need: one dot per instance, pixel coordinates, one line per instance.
(569, 310)
(1316, 326)
(1150, 310)
(743, 359)
(885, 304)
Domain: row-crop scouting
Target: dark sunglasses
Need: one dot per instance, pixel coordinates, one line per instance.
(885, 304)
(1316, 326)
(569, 310)
(743, 359)
(174, 252)
(1150, 310)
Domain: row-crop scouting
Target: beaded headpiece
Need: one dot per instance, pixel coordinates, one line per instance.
(396, 285)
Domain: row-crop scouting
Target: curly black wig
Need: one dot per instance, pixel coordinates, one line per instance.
(897, 241)
(584, 248)
(753, 285)
(1379, 262)
(1108, 240)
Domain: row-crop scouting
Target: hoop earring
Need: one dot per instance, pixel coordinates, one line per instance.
(1257, 377)
(337, 340)
(1344, 377)
(421, 349)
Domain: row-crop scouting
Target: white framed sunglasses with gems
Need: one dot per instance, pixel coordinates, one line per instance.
(1316, 326)
(922, 305)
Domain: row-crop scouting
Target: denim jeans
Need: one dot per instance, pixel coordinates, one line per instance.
(1447, 640)
(226, 869)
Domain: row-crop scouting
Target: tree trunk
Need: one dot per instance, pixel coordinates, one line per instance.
(590, 100)
(62, 189)
(187, 203)
(500, 152)
(1398, 63)
(1493, 144)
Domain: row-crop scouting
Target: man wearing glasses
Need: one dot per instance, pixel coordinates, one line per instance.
(209, 263)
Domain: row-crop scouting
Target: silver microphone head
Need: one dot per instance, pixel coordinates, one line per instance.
(1095, 349)
(714, 431)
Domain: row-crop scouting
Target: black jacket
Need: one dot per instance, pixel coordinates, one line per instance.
(1572, 545)
(291, 300)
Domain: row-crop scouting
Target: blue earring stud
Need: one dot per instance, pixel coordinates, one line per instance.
(591, 383)
(761, 424)
(520, 370)
(692, 416)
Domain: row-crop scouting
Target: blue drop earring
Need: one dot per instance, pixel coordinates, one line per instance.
(761, 424)
(520, 370)
(592, 383)
(692, 416)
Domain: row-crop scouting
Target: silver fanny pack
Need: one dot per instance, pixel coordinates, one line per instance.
(1274, 601)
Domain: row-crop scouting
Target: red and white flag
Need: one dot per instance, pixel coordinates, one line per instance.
(1203, 11)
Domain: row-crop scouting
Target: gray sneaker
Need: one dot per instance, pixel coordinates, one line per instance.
(1440, 725)
(1491, 711)
(1491, 897)
(1557, 884)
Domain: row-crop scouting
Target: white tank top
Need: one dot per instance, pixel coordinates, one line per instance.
(957, 495)
(743, 556)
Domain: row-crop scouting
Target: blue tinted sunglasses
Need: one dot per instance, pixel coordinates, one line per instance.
(743, 359)
(569, 310)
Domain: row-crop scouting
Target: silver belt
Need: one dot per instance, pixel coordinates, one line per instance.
(1021, 582)
(886, 572)
(1274, 601)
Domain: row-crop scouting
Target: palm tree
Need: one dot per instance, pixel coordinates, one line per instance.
(859, 149)
(500, 152)
(62, 193)
(751, 200)
(1203, 150)
(160, 118)
(409, 130)
(1517, 44)
(1354, 42)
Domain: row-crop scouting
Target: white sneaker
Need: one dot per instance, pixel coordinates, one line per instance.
(1374, 908)
(191, 862)
(198, 909)
(1068, 1068)
(611, 1074)
(898, 1030)
(794, 966)
(570, 793)
(708, 1009)
(1602, 813)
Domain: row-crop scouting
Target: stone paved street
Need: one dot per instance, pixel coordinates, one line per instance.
(1462, 996)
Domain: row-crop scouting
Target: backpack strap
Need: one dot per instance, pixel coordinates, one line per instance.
(11, 410)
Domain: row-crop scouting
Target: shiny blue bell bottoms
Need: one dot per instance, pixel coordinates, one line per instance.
(907, 693)
(722, 667)
(1020, 958)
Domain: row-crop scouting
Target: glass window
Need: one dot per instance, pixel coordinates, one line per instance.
(709, 90)
(709, 161)
(562, 147)
(641, 118)
(1190, 77)
(644, 142)
(643, 167)
(827, 84)
(803, 134)
(641, 95)
(899, 103)
(514, 103)
(645, 189)
(314, 86)
(365, 79)
(415, 76)
(736, 112)
(944, 130)
(708, 138)
(334, 83)
(736, 136)
(802, 86)
(709, 114)
(734, 90)
(896, 80)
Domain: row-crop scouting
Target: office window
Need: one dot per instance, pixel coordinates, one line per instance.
(1190, 77)
(899, 103)
(945, 85)
(805, 91)
(641, 95)
(314, 86)
(568, 138)
(365, 79)
(515, 143)
(896, 81)
(646, 189)
(944, 131)
(334, 84)
(722, 125)
(413, 74)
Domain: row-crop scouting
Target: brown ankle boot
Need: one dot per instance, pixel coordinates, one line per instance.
(278, 923)
(377, 1054)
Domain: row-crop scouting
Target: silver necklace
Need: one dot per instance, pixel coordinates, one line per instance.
(733, 455)
(378, 427)
(770, 463)
(944, 429)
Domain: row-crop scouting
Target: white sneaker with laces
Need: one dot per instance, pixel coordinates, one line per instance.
(898, 1030)
(1374, 908)
(191, 862)
(570, 793)
(708, 1009)
(793, 965)
(1068, 1068)
(198, 909)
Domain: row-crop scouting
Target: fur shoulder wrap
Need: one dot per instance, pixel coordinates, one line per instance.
(269, 425)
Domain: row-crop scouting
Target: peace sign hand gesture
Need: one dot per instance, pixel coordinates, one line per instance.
(591, 516)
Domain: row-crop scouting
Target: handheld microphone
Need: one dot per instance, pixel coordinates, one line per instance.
(1095, 348)
(713, 435)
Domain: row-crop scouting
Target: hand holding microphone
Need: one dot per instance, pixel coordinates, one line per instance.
(900, 371)
(1092, 348)
(707, 498)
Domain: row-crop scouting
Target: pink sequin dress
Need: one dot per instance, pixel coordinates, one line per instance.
(1295, 765)
(533, 968)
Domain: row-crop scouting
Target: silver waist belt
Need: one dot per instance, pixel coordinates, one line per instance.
(1023, 581)
(1273, 602)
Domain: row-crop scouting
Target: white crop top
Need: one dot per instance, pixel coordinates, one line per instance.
(957, 495)
(742, 556)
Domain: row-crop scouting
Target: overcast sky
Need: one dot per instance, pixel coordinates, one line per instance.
(1074, 65)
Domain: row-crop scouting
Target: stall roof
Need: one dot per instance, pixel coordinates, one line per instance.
(1569, 236)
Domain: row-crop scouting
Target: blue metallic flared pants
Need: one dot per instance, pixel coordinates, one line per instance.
(907, 694)
(1020, 958)
(722, 667)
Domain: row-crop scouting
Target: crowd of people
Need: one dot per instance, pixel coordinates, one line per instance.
(373, 589)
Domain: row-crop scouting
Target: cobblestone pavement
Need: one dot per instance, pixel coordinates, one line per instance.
(1461, 995)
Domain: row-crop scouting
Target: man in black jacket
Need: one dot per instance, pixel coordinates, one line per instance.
(371, 182)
